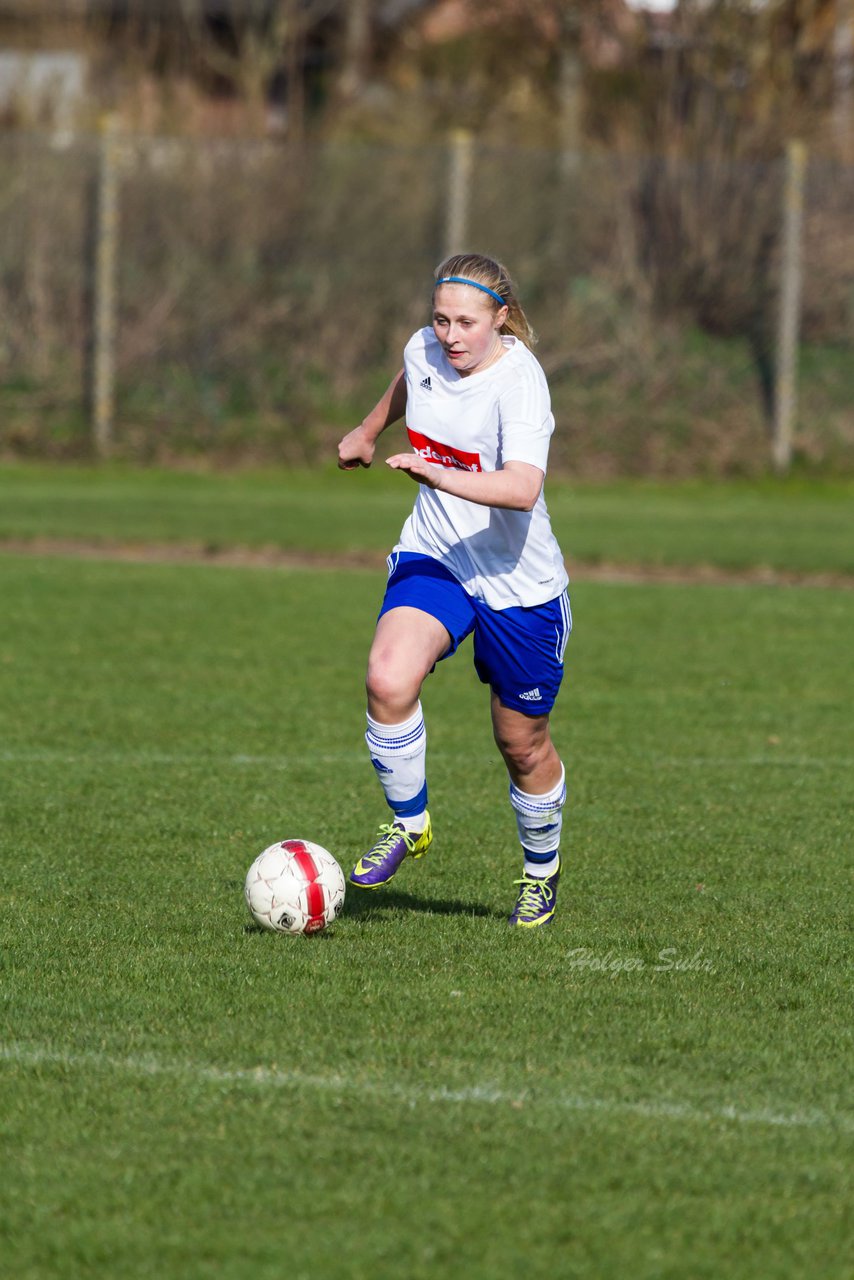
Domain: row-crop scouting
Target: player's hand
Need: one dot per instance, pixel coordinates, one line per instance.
(417, 468)
(355, 450)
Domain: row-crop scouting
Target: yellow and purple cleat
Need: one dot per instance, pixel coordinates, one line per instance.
(392, 845)
(537, 900)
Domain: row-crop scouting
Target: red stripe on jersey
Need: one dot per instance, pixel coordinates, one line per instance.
(443, 454)
(315, 897)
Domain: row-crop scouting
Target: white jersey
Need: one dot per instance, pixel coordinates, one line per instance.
(478, 423)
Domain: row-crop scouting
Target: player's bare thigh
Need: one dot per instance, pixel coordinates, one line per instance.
(407, 644)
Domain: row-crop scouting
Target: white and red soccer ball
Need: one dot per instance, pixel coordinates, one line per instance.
(294, 886)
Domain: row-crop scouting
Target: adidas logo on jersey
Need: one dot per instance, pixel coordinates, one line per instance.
(533, 695)
(426, 384)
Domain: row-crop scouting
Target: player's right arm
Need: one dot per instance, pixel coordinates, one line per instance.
(357, 447)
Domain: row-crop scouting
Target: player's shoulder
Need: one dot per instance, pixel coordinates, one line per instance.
(422, 342)
(525, 360)
(423, 357)
(522, 368)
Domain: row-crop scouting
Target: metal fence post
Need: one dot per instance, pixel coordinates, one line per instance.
(102, 390)
(459, 191)
(785, 397)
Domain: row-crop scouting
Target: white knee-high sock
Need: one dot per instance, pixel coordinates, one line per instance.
(539, 820)
(399, 756)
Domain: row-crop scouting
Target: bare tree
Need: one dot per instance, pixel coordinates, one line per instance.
(251, 41)
(357, 44)
(843, 76)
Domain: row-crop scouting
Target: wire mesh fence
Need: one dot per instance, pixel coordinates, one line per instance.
(263, 292)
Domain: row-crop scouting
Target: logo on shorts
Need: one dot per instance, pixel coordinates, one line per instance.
(533, 695)
(426, 384)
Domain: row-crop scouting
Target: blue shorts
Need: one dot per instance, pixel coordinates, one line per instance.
(518, 652)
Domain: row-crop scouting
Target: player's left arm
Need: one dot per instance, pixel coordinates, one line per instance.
(516, 486)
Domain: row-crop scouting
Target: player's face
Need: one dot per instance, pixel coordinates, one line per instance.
(467, 326)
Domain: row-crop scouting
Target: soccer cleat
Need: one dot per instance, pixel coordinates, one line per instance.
(537, 898)
(393, 844)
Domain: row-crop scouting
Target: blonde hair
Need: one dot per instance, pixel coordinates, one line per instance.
(494, 277)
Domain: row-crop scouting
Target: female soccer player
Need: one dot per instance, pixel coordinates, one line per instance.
(476, 555)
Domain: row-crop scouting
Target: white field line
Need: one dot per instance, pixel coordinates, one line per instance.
(413, 1095)
(356, 756)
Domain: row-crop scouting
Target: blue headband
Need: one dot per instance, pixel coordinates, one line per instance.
(475, 284)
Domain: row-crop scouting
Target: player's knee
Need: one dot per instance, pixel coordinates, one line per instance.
(390, 685)
(522, 754)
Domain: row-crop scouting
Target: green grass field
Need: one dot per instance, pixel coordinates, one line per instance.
(656, 1086)
(800, 525)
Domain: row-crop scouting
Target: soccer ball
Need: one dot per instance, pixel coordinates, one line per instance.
(294, 886)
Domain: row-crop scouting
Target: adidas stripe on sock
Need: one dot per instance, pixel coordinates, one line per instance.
(399, 756)
(539, 820)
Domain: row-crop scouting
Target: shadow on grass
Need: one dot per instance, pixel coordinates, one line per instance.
(320, 935)
(365, 904)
